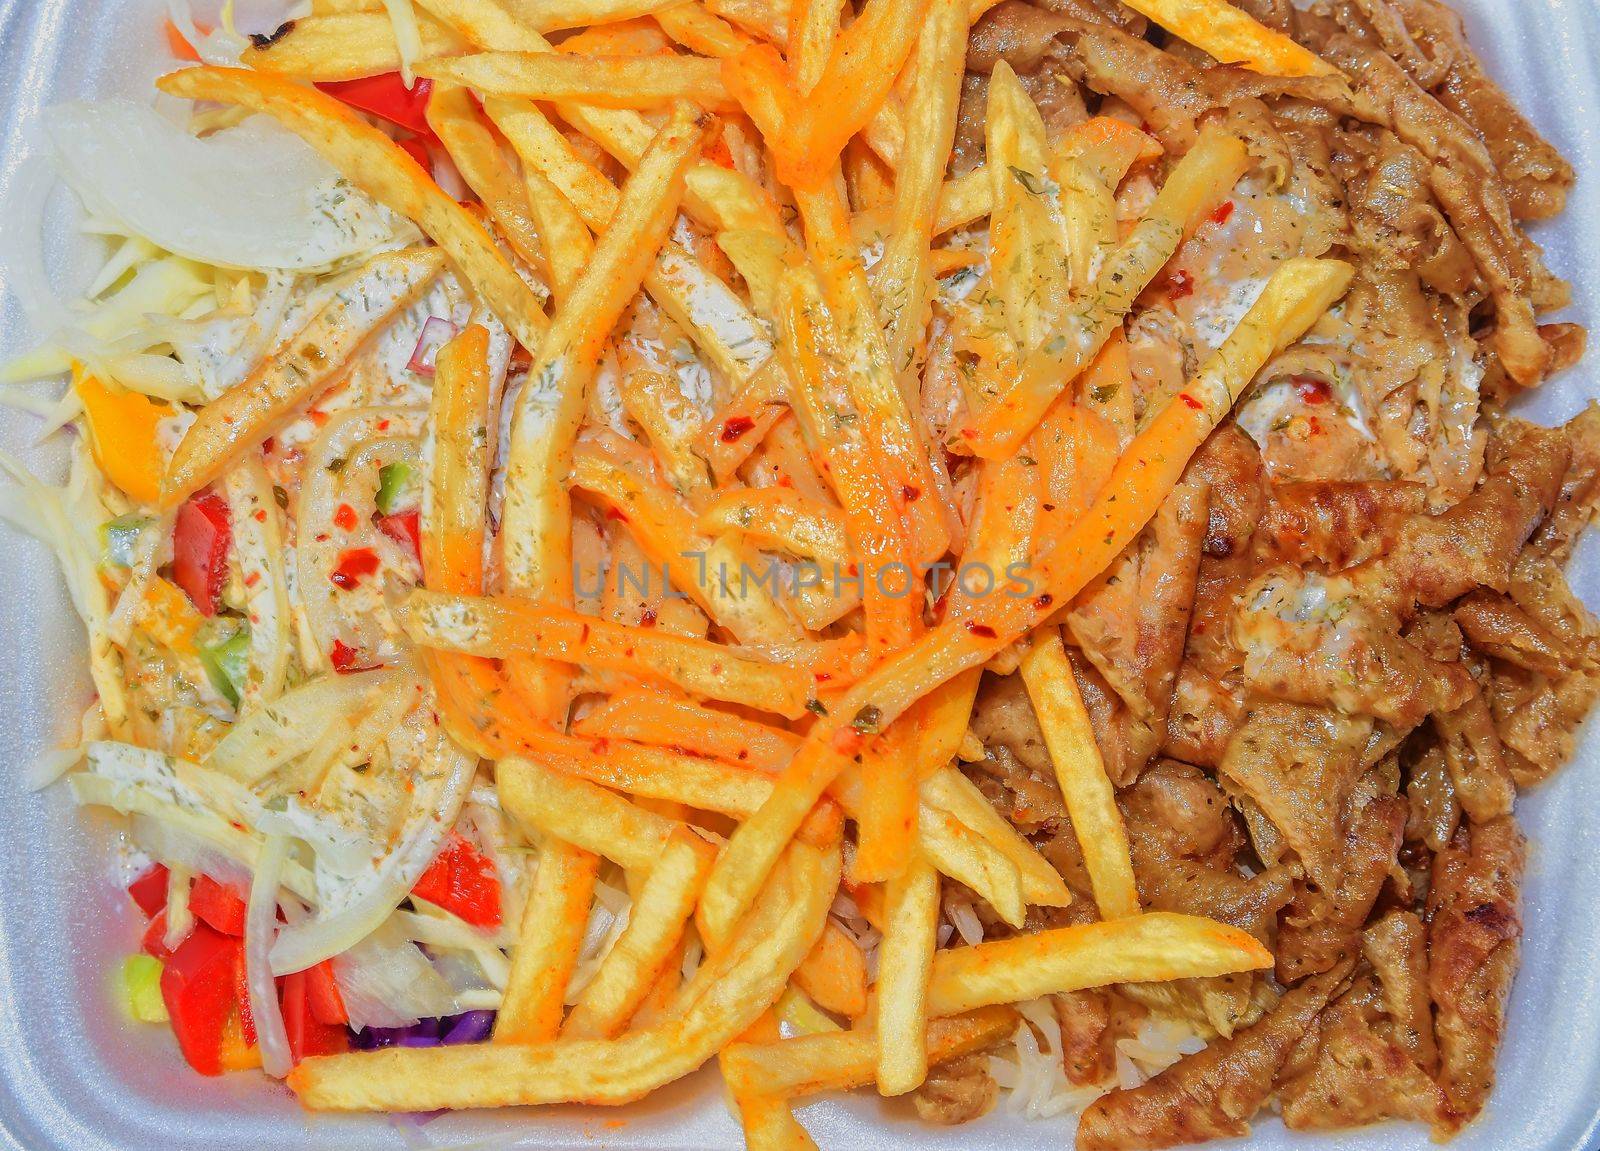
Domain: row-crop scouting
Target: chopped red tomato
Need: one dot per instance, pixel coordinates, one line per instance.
(354, 566)
(405, 529)
(155, 938)
(322, 993)
(1221, 213)
(1180, 284)
(417, 148)
(199, 985)
(149, 890)
(345, 518)
(463, 881)
(1312, 390)
(386, 97)
(218, 905)
(307, 1034)
(346, 660)
(200, 542)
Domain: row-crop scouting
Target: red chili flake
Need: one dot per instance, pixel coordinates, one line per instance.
(822, 676)
(1190, 401)
(982, 630)
(1222, 212)
(318, 417)
(617, 514)
(1044, 601)
(1180, 284)
(354, 566)
(344, 659)
(647, 618)
(252, 579)
(1312, 390)
(268, 444)
(910, 494)
(735, 426)
(383, 425)
(345, 518)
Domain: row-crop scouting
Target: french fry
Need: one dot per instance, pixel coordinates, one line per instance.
(905, 959)
(902, 279)
(600, 81)
(544, 149)
(701, 32)
(728, 993)
(959, 852)
(780, 518)
(508, 626)
(768, 19)
(1091, 800)
(258, 551)
(582, 814)
(486, 24)
(655, 924)
(768, 1122)
(835, 973)
(537, 521)
(1201, 178)
(555, 15)
(886, 821)
(345, 46)
(666, 721)
(381, 168)
(949, 792)
(671, 422)
(1152, 948)
(455, 119)
(726, 579)
(741, 425)
(239, 420)
(1231, 36)
(549, 942)
(569, 247)
(812, 1064)
(828, 414)
(1027, 228)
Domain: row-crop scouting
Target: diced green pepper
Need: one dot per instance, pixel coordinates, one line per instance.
(140, 979)
(225, 654)
(396, 487)
(119, 538)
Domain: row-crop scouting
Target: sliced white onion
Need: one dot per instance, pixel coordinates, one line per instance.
(386, 981)
(250, 196)
(442, 782)
(260, 926)
(22, 245)
(436, 333)
(270, 737)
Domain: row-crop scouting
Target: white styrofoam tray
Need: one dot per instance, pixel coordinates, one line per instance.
(75, 1074)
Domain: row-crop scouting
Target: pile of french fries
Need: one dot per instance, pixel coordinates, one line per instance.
(745, 754)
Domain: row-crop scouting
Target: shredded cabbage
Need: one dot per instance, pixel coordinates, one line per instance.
(386, 981)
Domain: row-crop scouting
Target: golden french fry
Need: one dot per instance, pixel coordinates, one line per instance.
(949, 791)
(582, 814)
(1091, 800)
(780, 518)
(968, 858)
(671, 423)
(1027, 229)
(1151, 948)
(664, 721)
(568, 245)
(486, 23)
(902, 279)
(699, 31)
(225, 429)
(728, 580)
(835, 973)
(728, 993)
(455, 119)
(655, 924)
(1201, 178)
(554, 15)
(537, 522)
(811, 1064)
(346, 46)
(506, 626)
(905, 959)
(1222, 31)
(600, 81)
(381, 168)
(549, 942)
